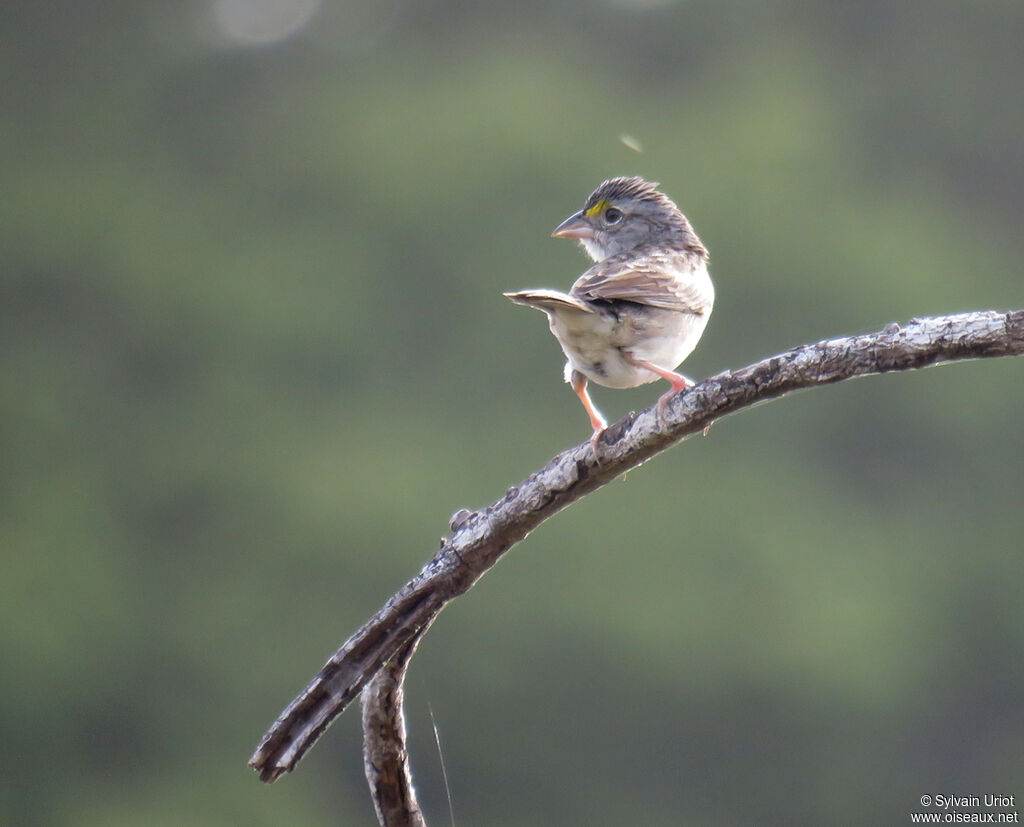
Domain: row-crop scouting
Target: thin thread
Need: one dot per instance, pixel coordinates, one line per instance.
(440, 757)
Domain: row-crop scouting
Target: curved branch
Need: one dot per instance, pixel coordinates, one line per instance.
(385, 755)
(478, 539)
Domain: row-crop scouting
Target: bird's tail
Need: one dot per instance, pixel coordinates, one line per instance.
(548, 300)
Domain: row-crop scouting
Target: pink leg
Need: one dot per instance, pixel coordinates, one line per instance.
(679, 382)
(597, 421)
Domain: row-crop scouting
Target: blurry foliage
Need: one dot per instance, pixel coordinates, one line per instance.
(254, 352)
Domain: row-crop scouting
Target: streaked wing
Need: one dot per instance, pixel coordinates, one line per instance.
(659, 279)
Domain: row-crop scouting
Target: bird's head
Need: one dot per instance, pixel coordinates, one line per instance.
(623, 214)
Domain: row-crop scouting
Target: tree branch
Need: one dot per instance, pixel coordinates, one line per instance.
(385, 756)
(479, 538)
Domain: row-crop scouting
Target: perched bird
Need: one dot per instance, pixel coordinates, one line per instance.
(636, 314)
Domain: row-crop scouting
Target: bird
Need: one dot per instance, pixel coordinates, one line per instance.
(639, 311)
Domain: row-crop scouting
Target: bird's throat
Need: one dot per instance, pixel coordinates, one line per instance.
(595, 250)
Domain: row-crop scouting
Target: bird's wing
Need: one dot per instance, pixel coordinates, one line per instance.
(542, 299)
(673, 280)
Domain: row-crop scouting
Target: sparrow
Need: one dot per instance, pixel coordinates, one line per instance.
(636, 314)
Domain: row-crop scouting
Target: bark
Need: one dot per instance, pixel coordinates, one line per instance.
(385, 756)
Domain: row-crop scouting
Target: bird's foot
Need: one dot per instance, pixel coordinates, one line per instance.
(679, 383)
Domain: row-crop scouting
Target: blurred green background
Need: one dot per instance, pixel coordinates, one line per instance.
(254, 353)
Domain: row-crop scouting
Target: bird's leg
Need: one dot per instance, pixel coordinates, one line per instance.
(679, 382)
(579, 385)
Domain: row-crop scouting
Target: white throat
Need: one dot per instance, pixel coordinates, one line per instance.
(594, 250)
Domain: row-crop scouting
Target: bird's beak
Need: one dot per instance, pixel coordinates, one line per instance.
(575, 226)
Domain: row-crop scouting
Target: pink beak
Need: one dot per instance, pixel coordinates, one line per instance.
(575, 226)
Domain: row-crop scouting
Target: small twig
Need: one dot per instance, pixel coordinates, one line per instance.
(385, 755)
(479, 538)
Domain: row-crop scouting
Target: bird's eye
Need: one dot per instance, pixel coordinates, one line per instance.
(613, 215)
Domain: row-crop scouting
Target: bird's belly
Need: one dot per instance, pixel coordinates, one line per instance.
(593, 343)
(586, 340)
(606, 367)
